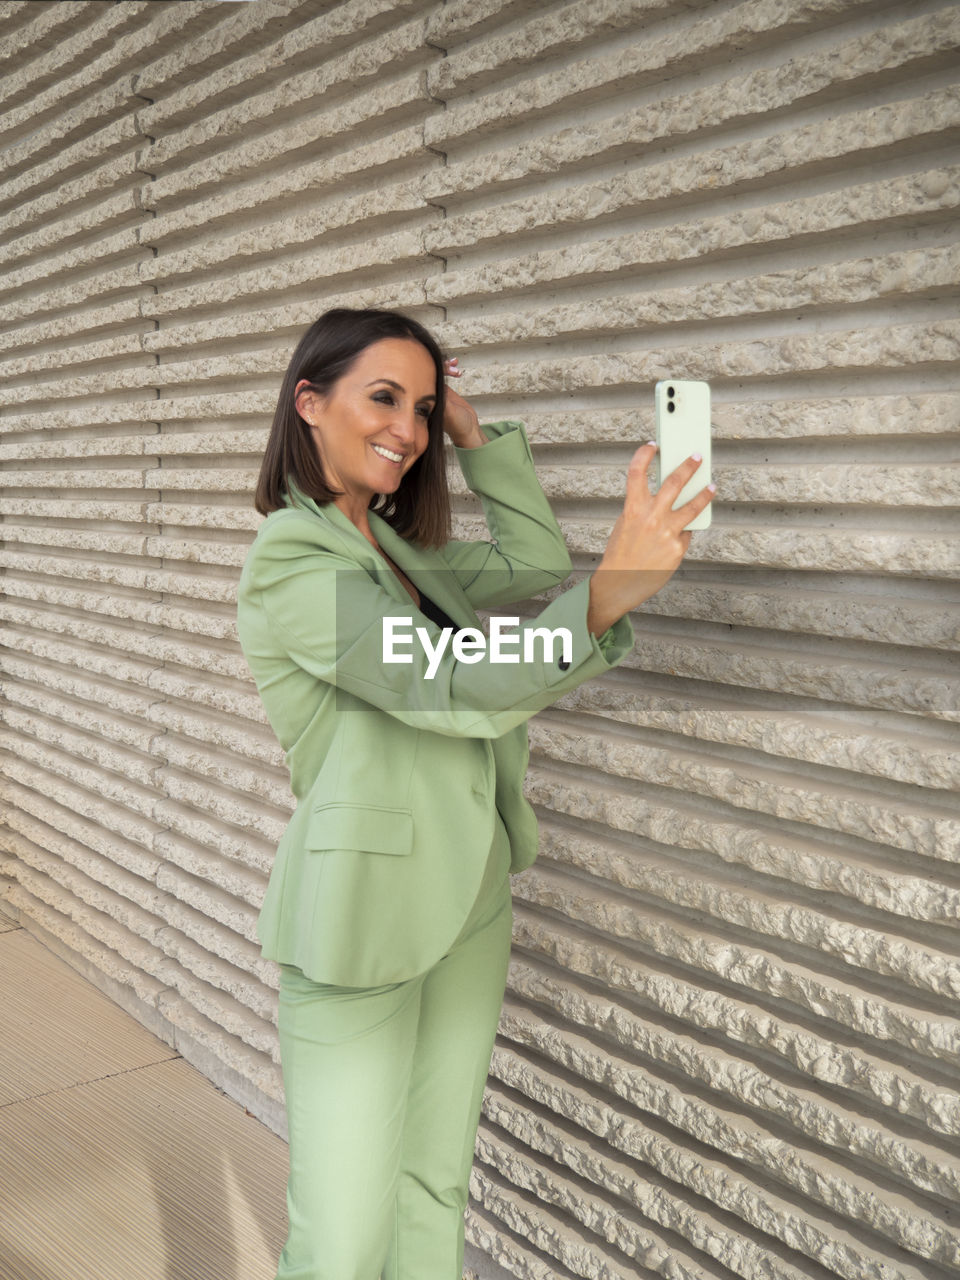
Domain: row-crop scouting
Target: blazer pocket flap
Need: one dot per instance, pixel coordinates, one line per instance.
(367, 827)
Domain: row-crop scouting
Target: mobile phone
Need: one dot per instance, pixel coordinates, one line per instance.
(683, 427)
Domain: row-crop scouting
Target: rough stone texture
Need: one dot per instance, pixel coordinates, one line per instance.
(686, 45)
(394, 98)
(814, 216)
(830, 285)
(730, 1040)
(816, 1234)
(758, 93)
(635, 1185)
(308, 176)
(813, 738)
(847, 1071)
(353, 65)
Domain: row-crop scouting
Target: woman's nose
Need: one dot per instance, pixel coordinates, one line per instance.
(404, 426)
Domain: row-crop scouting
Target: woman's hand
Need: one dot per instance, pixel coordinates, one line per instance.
(647, 542)
(460, 421)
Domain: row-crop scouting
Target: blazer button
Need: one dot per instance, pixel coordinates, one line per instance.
(563, 664)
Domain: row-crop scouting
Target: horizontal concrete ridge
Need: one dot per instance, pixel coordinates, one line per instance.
(914, 754)
(73, 836)
(808, 856)
(881, 347)
(31, 213)
(147, 409)
(872, 203)
(803, 289)
(813, 983)
(352, 68)
(119, 207)
(313, 176)
(884, 685)
(150, 580)
(120, 245)
(93, 447)
(385, 105)
(49, 139)
(484, 1233)
(293, 316)
(879, 616)
(763, 92)
(547, 35)
(852, 550)
(767, 419)
(707, 1115)
(646, 851)
(335, 264)
(923, 824)
(847, 1071)
(682, 1230)
(40, 28)
(338, 34)
(97, 147)
(85, 949)
(460, 20)
(59, 53)
(53, 300)
(873, 484)
(518, 1167)
(220, 1055)
(286, 233)
(746, 1195)
(640, 63)
(826, 934)
(56, 328)
(222, 40)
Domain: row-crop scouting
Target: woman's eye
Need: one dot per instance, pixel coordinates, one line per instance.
(424, 411)
(384, 397)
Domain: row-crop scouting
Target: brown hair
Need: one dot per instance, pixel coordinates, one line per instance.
(419, 510)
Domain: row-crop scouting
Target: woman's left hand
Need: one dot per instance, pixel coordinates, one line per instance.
(460, 420)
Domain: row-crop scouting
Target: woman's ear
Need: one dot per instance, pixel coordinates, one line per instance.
(305, 401)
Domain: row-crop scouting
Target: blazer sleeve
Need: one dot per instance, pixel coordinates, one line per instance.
(527, 553)
(327, 615)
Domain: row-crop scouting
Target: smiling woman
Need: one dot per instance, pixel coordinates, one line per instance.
(389, 906)
(370, 431)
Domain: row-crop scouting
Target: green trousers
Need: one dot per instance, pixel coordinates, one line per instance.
(383, 1092)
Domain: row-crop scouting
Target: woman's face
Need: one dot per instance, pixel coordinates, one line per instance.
(371, 427)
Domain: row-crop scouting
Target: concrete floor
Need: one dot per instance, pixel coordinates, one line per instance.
(119, 1160)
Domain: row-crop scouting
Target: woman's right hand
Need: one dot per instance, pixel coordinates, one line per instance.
(647, 542)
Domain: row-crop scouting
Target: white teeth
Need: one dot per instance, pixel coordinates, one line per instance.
(387, 453)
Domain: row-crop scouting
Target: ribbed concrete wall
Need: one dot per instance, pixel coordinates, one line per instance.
(731, 1037)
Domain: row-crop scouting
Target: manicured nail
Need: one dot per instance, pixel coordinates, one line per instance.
(697, 457)
(652, 443)
(712, 488)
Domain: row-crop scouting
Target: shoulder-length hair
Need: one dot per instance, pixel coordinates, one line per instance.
(419, 510)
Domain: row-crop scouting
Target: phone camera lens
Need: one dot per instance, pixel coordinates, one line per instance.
(670, 406)
(670, 392)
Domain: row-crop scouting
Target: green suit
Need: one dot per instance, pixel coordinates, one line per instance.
(397, 776)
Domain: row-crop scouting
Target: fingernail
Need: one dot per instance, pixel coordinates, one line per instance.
(712, 488)
(652, 442)
(697, 457)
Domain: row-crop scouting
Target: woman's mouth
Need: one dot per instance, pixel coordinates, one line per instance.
(386, 453)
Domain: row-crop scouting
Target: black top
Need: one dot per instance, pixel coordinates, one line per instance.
(435, 613)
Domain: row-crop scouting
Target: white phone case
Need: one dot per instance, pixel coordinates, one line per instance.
(683, 428)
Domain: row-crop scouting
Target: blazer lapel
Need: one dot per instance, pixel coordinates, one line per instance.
(427, 570)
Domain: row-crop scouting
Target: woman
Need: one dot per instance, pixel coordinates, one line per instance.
(388, 907)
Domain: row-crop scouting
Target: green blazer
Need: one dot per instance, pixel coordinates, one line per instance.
(396, 776)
